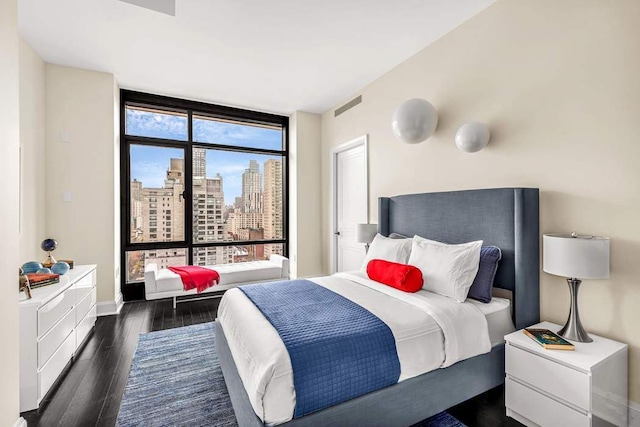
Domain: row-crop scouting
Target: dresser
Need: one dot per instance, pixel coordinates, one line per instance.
(53, 325)
(584, 387)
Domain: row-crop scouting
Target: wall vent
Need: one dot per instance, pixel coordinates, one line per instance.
(349, 105)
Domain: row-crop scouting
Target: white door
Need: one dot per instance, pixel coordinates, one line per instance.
(351, 203)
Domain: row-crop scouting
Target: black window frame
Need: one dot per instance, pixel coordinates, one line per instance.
(135, 290)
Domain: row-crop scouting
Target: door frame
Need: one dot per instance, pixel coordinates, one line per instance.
(362, 140)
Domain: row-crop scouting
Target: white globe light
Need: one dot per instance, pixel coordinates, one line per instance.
(472, 137)
(414, 121)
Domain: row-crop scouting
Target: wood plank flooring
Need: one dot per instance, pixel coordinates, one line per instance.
(89, 393)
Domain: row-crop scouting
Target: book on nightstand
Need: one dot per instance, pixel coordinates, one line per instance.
(548, 339)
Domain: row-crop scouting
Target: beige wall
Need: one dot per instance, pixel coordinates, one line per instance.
(33, 147)
(81, 102)
(558, 84)
(9, 211)
(305, 215)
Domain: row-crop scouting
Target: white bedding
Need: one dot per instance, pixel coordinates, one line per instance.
(430, 330)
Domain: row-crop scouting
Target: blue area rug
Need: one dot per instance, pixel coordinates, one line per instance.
(176, 380)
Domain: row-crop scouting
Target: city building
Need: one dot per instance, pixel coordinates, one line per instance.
(273, 205)
(252, 188)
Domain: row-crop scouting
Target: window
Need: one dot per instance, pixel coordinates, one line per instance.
(219, 175)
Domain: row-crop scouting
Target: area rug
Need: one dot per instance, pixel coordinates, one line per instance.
(176, 380)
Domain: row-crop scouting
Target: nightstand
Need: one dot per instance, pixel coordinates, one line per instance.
(584, 387)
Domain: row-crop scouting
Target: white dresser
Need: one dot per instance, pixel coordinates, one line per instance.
(53, 326)
(584, 387)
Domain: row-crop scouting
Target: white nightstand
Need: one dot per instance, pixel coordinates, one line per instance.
(584, 387)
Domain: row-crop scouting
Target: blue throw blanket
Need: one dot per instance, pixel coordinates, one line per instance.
(338, 350)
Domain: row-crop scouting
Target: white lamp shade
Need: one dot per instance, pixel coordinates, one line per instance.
(472, 137)
(366, 232)
(582, 257)
(414, 121)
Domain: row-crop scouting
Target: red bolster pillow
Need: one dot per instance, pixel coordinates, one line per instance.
(405, 277)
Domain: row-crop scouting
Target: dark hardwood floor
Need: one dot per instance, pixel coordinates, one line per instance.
(89, 393)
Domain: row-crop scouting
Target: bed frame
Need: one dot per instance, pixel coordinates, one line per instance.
(504, 217)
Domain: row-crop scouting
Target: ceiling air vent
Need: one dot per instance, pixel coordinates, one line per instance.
(349, 105)
(163, 6)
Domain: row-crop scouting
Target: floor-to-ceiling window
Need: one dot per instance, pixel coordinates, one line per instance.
(202, 184)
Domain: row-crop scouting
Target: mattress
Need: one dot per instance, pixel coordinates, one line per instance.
(264, 365)
(498, 315)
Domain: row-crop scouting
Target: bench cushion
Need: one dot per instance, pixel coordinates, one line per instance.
(254, 271)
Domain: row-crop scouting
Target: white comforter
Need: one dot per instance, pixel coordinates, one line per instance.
(430, 331)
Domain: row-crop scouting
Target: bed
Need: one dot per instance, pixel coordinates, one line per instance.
(507, 218)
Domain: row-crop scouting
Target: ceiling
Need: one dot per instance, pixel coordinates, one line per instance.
(278, 56)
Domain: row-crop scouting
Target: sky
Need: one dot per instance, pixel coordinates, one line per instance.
(149, 164)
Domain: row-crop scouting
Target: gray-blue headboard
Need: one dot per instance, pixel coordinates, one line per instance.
(503, 217)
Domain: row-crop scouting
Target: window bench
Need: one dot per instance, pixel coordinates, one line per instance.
(164, 283)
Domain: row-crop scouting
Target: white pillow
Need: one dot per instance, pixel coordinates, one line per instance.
(394, 250)
(447, 270)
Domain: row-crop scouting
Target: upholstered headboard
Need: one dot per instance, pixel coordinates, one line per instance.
(504, 217)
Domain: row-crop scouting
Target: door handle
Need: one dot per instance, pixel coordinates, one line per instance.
(337, 233)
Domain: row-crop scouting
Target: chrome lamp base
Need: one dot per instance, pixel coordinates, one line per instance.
(573, 329)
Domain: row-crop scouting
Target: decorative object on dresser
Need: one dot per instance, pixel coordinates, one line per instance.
(575, 257)
(60, 267)
(54, 325)
(472, 137)
(414, 121)
(68, 261)
(23, 284)
(37, 280)
(585, 387)
(31, 267)
(365, 233)
(49, 245)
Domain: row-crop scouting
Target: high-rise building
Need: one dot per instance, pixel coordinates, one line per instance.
(273, 205)
(252, 188)
(244, 220)
(162, 218)
(136, 210)
(208, 214)
(199, 163)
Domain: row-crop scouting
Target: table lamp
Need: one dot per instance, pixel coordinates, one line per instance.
(575, 257)
(365, 234)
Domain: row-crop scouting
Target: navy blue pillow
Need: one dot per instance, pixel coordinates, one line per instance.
(481, 288)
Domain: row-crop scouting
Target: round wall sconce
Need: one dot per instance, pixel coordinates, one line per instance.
(472, 137)
(414, 121)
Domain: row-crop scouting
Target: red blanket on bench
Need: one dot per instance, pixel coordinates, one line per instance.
(196, 277)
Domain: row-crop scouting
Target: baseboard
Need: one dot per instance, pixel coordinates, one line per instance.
(20, 422)
(634, 414)
(109, 308)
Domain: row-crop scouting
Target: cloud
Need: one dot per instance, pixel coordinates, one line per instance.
(151, 174)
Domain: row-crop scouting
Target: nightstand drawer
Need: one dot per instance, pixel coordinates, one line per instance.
(568, 384)
(541, 409)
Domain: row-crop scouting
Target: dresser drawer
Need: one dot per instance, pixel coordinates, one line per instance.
(49, 343)
(568, 384)
(50, 313)
(85, 325)
(85, 305)
(48, 374)
(541, 409)
(85, 285)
